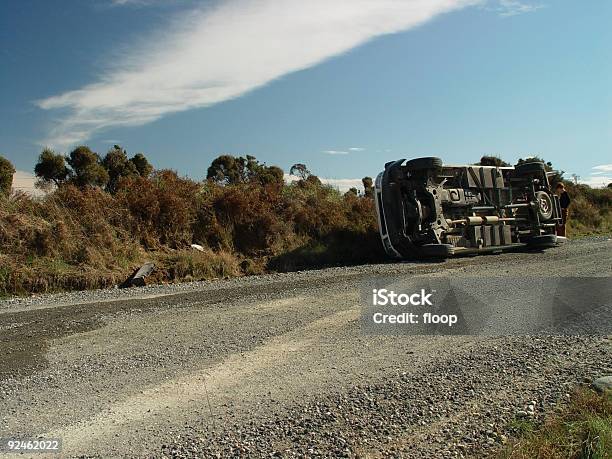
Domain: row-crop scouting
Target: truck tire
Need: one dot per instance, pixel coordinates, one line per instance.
(436, 250)
(545, 205)
(419, 164)
(535, 167)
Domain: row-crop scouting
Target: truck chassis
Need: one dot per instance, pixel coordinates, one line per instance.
(426, 208)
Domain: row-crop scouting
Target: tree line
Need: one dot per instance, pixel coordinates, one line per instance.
(83, 167)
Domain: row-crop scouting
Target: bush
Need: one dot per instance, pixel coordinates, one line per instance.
(590, 210)
(70, 239)
(6, 176)
(81, 236)
(162, 209)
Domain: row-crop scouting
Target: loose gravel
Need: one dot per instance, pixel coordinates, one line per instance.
(459, 407)
(277, 365)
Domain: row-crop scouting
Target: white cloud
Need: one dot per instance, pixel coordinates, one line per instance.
(343, 152)
(600, 177)
(335, 152)
(515, 7)
(597, 181)
(341, 184)
(602, 168)
(24, 181)
(216, 53)
(133, 2)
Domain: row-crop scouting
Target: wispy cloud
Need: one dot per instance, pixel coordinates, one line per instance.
(221, 51)
(600, 176)
(335, 152)
(602, 168)
(343, 152)
(134, 2)
(597, 181)
(515, 7)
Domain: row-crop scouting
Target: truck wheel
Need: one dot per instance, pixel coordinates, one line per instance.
(535, 167)
(436, 250)
(542, 242)
(545, 205)
(418, 164)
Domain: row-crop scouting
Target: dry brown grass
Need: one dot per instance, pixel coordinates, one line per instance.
(71, 239)
(87, 238)
(590, 211)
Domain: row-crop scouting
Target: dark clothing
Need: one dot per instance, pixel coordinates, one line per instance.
(561, 226)
(564, 200)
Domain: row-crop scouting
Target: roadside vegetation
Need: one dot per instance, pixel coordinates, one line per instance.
(582, 429)
(102, 216)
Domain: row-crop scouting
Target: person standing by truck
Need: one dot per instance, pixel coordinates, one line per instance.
(564, 200)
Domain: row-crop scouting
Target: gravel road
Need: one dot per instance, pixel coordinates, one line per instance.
(279, 365)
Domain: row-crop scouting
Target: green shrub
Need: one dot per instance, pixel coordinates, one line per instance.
(6, 176)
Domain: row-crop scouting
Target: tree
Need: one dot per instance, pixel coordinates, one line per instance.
(227, 170)
(86, 167)
(51, 167)
(117, 165)
(142, 165)
(367, 187)
(352, 192)
(271, 175)
(299, 170)
(610, 185)
(6, 176)
(259, 172)
(230, 170)
(493, 161)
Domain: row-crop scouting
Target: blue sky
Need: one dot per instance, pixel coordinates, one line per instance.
(341, 85)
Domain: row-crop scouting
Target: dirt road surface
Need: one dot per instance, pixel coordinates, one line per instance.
(279, 365)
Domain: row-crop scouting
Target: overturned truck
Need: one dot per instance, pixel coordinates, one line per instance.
(426, 208)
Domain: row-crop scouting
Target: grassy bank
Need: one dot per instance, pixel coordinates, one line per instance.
(83, 238)
(590, 211)
(105, 218)
(582, 429)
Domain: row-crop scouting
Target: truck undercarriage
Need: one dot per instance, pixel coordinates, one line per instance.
(428, 209)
